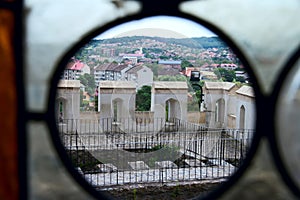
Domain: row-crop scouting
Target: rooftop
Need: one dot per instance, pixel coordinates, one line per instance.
(106, 66)
(246, 90)
(219, 85)
(170, 85)
(68, 84)
(169, 62)
(134, 70)
(117, 84)
(75, 65)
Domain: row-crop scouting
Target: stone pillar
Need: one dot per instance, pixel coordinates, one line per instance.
(173, 93)
(122, 95)
(68, 96)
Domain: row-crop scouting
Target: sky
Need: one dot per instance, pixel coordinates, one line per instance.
(161, 26)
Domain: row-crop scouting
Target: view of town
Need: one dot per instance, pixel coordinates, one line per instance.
(148, 109)
(169, 59)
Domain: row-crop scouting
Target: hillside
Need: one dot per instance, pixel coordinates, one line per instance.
(201, 42)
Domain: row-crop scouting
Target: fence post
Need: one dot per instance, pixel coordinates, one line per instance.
(76, 140)
(222, 145)
(162, 175)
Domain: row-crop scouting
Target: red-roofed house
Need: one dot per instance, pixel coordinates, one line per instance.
(188, 70)
(74, 69)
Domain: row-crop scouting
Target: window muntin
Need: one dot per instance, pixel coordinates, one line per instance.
(253, 44)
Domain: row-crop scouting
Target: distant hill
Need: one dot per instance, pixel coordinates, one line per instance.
(201, 42)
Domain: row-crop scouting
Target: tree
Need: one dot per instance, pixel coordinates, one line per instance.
(240, 79)
(225, 75)
(185, 64)
(83, 80)
(143, 98)
(89, 82)
(81, 98)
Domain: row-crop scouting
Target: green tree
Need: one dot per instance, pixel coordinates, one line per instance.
(225, 75)
(143, 98)
(240, 79)
(83, 80)
(81, 98)
(89, 82)
(185, 64)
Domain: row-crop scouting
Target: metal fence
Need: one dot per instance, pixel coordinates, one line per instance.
(177, 151)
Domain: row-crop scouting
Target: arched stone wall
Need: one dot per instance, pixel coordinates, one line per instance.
(233, 99)
(173, 92)
(172, 110)
(60, 108)
(242, 117)
(220, 113)
(68, 93)
(117, 105)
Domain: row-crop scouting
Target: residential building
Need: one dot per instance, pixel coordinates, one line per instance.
(172, 63)
(141, 75)
(229, 66)
(134, 58)
(74, 69)
(110, 71)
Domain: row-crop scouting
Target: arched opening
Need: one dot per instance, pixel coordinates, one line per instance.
(117, 110)
(220, 112)
(61, 109)
(167, 113)
(172, 110)
(242, 117)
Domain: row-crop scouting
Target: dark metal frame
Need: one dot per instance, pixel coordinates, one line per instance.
(149, 10)
(265, 104)
(272, 136)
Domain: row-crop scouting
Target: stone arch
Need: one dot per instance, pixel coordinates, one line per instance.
(172, 108)
(242, 117)
(61, 108)
(68, 99)
(220, 112)
(117, 108)
(171, 95)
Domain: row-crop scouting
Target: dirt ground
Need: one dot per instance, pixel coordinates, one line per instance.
(164, 192)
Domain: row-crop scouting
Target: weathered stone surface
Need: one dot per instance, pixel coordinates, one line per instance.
(138, 165)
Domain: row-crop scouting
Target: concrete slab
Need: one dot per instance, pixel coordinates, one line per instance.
(107, 167)
(138, 165)
(165, 165)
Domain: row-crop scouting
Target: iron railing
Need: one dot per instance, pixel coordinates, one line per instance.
(164, 152)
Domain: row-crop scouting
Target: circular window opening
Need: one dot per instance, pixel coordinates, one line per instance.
(156, 106)
(287, 122)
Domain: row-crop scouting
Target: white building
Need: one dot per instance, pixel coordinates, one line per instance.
(110, 71)
(141, 75)
(74, 69)
(228, 106)
(134, 58)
